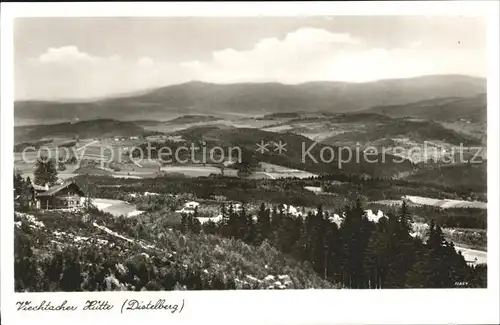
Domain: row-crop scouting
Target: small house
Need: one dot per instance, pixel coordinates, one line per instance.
(60, 196)
(191, 205)
(37, 189)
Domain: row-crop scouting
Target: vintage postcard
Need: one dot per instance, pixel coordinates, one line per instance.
(250, 163)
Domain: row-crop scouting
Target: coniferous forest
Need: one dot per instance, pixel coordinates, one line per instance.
(359, 254)
(241, 251)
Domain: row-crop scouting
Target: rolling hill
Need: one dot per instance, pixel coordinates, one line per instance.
(447, 109)
(417, 131)
(185, 119)
(469, 176)
(253, 98)
(99, 128)
(295, 155)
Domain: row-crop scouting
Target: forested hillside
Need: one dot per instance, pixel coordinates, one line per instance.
(93, 251)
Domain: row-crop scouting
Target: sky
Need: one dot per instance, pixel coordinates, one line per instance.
(78, 58)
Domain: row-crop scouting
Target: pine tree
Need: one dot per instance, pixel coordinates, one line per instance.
(45, 172)
(405, 219)
(250, 234)
(184, 223)
(242, 224)
(71, 278)
(232, 223)
(274, 219)
(436, 238)
(264, 222)
(407, 250)
(300, 247)
(223, 211)
(378, 254)
(22, 191)
(355, 232)
(332, 250)
(436, 259)
(195, 224)
(18, 184)
(316, 240)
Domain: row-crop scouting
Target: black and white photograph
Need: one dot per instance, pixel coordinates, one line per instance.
(244, 153)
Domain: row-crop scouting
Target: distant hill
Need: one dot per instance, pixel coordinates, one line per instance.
(92, 171)
(185, 119)
(448, 109)
(280, 115)
(356, 117)
(254, 98)
(472, 177)
(100, 128)
(417, 131)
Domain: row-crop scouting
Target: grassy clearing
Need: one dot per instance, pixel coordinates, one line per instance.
(115, 207)
(198, 170)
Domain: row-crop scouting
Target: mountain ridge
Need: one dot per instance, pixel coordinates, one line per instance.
(197, 97)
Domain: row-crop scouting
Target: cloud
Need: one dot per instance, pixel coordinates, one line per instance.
(309, 54)
(65, 54)
(416, 44)
(190, 64)
(318, 36)
(115, 58)
(77, 74)
(304, 43)
(145, 62)
(294, 58)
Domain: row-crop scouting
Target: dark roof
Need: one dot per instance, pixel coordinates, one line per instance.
(54, 189)
(38, 187)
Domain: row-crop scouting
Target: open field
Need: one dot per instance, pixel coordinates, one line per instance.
(419, 200)
(61, 175)
(108, 149)
(470, 248)
(276, 171)
(389, 202)
(92, 149)
(477, 130)
(116, 207)
(471, 255)
(51, 142)
(144, 170)
(171, 127)
(198, 170)
(444, 204)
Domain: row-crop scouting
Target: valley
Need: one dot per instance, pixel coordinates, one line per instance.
(258, 174)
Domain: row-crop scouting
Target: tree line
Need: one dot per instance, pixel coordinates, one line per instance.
(357, 254)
